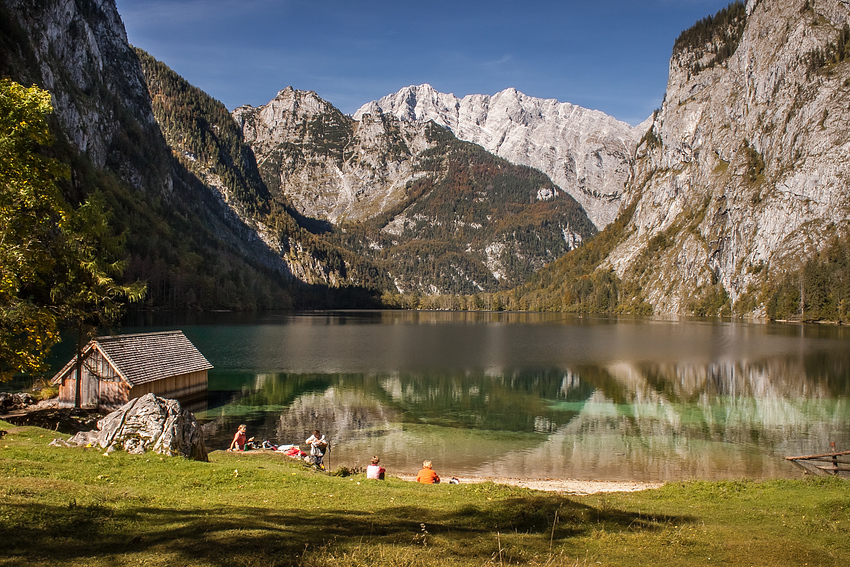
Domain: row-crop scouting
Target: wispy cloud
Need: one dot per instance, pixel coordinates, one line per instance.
(501, 62)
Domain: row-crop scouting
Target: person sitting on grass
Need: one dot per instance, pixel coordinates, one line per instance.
(427, 474)
(318, 445)
(375, 471)
(240, 439)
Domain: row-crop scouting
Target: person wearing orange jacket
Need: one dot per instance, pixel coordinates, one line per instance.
(427, 474)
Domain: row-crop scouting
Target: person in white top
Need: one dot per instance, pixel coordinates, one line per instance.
(375, 471)
(318, 445)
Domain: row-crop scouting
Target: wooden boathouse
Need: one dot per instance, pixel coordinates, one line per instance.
(119, 368)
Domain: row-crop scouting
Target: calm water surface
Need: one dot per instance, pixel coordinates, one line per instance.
(530, 395)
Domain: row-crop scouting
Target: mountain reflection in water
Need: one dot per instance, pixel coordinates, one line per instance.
(529, 395)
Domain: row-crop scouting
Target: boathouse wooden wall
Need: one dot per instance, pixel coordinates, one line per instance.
(102, 386)
(105, 389)
(180, 386)
(118, 369)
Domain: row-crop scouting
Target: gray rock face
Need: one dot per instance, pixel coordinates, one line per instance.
(11, 402)
(747, 174)
(95, 81)
(330, 166)
(334, 168)
(585, 152)
(149, 423)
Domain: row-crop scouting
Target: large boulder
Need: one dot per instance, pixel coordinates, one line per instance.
(149, 423)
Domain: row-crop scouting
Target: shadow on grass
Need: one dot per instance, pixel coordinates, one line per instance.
(217, 536)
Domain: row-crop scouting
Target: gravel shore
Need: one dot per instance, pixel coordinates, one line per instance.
(564, 486)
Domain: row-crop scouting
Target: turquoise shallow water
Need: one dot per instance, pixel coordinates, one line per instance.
(530, 395)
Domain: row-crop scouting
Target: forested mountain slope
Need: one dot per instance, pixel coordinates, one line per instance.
(473, 222)
(202, 229)
(206, 141)
(192, 251)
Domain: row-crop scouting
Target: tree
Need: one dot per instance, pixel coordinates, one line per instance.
(58, 264)
(86, 295)
(32, 211)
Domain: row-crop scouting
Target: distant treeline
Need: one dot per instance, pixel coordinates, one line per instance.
(823, 58)
(819, 291)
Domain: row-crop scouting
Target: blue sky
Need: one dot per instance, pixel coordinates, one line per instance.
(610, 55)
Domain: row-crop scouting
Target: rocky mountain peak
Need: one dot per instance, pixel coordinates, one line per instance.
(585, 152)
(332, 167)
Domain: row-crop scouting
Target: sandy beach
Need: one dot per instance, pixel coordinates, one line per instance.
(563, 486)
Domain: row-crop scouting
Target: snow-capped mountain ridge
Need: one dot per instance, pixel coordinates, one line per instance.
(586, 152)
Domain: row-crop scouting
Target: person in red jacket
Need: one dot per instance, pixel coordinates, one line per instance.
(427, 474)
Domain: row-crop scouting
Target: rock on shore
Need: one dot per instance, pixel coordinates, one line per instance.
(148, 423)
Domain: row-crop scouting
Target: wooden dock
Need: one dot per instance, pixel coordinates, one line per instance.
(836, 463)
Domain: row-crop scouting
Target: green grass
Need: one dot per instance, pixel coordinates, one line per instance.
(79, 507)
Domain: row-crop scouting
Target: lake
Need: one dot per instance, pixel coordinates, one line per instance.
(529, 395)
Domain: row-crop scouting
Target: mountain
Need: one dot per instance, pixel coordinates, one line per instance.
(734, 200)
(198, 230)
(585, 152)
(739, 202)
(330, 166)
(437, 214)
(750, 166)
(206, 141)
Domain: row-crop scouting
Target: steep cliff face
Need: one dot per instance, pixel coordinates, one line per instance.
(78, 51)
(744, 173)
(585, 152)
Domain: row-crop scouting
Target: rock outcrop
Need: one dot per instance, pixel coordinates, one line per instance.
(585, 152)
(744, 173)
(149, 423)
(329, 165)
(16, 401)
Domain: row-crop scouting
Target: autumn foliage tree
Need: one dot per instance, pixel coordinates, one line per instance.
(58, 263)
(32, 211)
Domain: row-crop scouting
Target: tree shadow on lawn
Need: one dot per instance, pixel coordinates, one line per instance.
(218, 535)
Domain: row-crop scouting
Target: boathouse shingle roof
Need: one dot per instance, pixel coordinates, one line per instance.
(147, 357)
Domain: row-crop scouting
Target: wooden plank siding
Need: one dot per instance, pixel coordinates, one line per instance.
(102, 386)
(181, 386)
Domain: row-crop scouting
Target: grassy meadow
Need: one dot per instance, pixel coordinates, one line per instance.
(79, 507)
